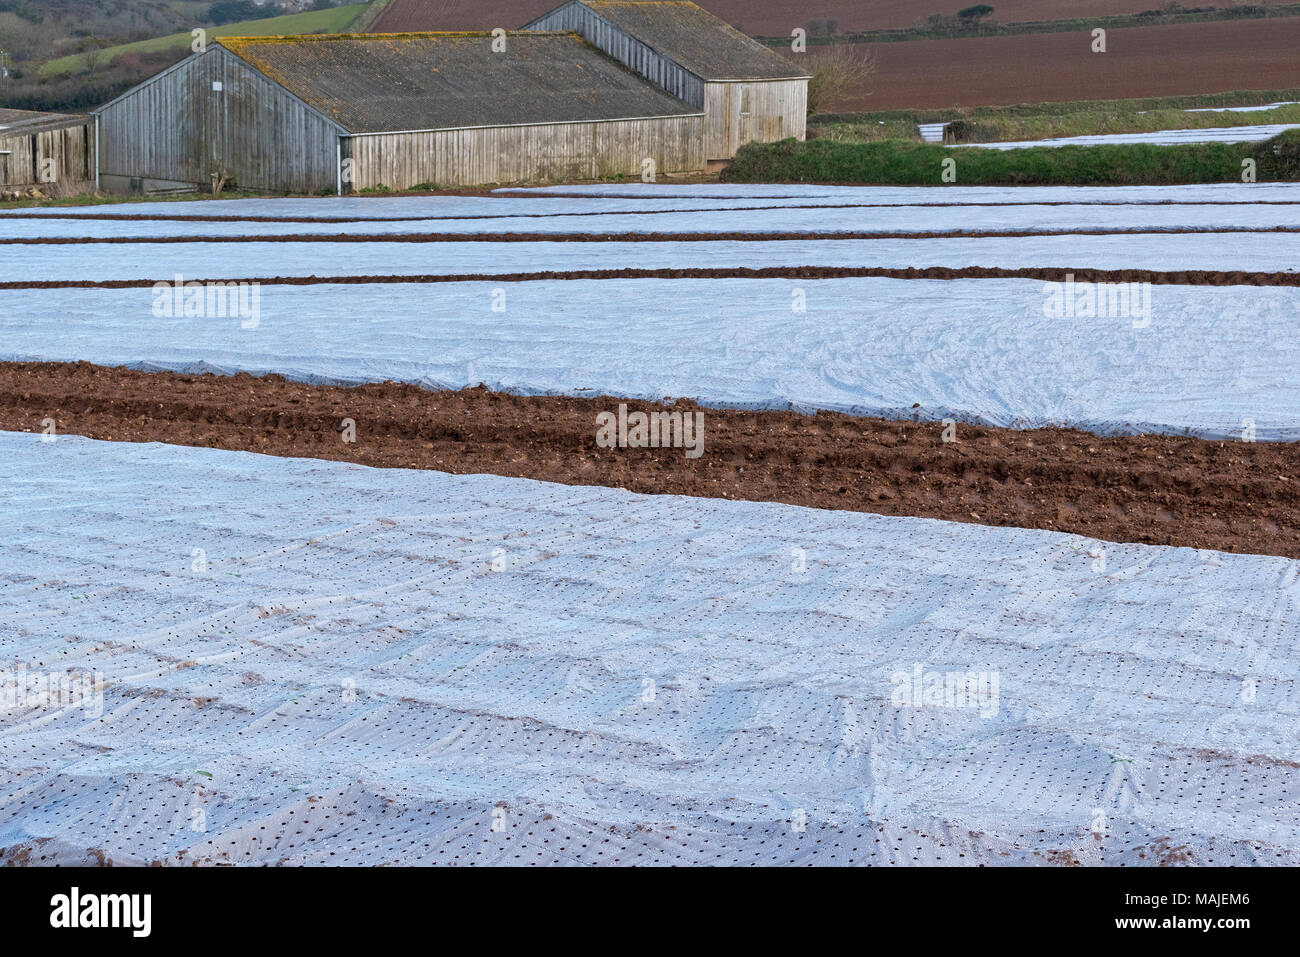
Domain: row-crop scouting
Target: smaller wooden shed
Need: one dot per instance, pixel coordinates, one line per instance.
(748, 92)
(52, 151)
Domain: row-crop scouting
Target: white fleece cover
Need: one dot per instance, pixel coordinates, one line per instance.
(909, 195)
(1222, 134)
(979, 350)
(665, 208)
(1238, 109)
(602, 197)
(1250, 252)
(650, 680)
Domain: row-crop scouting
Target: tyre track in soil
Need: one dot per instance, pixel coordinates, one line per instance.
(1045, 274)
(1162, 490)
(747, 237)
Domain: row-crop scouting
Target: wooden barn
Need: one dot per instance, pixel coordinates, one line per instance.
(54, 152)
(313, 114)
(746, 91)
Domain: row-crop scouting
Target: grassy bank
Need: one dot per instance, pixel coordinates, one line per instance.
(1026, 121)
(1189, 102)
(993, 126)
(332, 20)
(899, 163)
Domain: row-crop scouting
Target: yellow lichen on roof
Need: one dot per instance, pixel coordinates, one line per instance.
(245, 47)
(228, 42)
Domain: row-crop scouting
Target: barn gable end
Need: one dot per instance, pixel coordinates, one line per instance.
(747, 92)
(213, 113)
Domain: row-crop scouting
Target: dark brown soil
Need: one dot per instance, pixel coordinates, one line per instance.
(198, 217)
(745, 237)
(1189, 277)
(1168, 60)
(774, 18)
(1231, 496)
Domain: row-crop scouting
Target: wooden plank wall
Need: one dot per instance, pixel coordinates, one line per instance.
(777, 109)
(178, 128)
(71, 148)
(510, 154)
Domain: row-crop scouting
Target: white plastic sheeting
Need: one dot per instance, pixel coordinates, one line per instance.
(636, 196)
(1223, 134)
(798, 209)
(292, 661)
(956, 193)
(1253, 252)
(784, 219)
(977, 350)
(1242, 109)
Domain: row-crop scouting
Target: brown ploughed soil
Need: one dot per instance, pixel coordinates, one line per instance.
(1232, 496)
(631, 237)
(1172, 60)
(768, 18)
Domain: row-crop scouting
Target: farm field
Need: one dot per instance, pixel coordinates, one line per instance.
(1005, 363)
(714, 210)
(645, 680)
(330, 20)
(909, 463)
(768, 18)
(242, 258)
(1186, 362)
(1169, 60)
(1233, 497)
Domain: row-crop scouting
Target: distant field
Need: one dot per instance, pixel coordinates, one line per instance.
(769, 17)
(1141, 62)
(777, 17)
(334, 20)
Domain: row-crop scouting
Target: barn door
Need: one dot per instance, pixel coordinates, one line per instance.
(742, 125)
(216, 145)
(207, 148)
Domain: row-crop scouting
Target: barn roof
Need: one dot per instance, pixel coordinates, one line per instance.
(406, 16)
(377, 82)
(27, 122)
(706, 45)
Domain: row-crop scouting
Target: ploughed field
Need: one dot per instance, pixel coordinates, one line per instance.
(969, 533)
(768, 18)
(1168, 60)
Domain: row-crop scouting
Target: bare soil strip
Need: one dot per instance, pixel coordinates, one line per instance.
(178, 218)
(1045, 274)
(746, 237)
(1231, 496)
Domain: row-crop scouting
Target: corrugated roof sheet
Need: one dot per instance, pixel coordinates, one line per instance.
(371, 83)
(704, 44)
